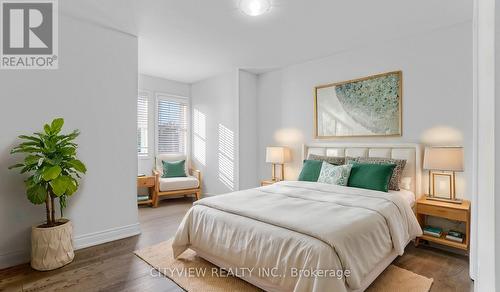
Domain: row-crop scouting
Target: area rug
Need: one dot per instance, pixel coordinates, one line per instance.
(187, 273)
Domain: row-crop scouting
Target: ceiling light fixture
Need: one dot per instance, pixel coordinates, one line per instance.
(255, 7)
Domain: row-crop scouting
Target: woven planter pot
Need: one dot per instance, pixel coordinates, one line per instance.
(52, 247)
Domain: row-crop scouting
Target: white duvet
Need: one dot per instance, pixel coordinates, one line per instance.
(298, 236)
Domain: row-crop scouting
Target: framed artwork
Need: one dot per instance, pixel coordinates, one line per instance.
(442, 185)
(365, 107)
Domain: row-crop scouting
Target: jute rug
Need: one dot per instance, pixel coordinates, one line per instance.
(159, 256)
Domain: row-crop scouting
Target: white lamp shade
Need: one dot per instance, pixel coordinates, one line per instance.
(255, 7)
(444, 158)
(277, 154)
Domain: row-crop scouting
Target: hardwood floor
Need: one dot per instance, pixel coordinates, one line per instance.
(113, 266)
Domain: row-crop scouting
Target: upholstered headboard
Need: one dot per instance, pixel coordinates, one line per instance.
(411, 152)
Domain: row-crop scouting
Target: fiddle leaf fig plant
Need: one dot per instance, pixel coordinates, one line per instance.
(51, 162)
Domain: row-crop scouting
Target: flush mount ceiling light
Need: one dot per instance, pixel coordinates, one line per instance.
(255, 7)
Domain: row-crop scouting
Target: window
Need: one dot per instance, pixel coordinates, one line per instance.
(172, 125)
(142, 124)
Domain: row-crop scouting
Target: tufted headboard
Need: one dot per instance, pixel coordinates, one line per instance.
(411, 152)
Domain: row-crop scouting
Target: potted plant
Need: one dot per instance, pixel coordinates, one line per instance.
(53, 172)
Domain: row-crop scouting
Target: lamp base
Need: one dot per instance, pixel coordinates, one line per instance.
(274, 178)
(454, 201)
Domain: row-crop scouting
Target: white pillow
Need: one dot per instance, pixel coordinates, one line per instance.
(335, 175)
(406, 183)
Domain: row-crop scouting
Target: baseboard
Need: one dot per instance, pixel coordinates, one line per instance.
(14, 258)
(18, 257)
(100, 237)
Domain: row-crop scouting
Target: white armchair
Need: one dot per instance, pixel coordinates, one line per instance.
(174, 186)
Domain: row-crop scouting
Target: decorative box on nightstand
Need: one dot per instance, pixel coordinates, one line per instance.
(451, 211)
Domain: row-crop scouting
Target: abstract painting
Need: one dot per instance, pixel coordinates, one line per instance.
(369, 106)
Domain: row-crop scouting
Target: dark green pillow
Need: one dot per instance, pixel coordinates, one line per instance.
(371, 176)
(174, 168)
(310, 170)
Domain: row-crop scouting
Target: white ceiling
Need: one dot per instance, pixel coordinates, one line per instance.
(189, 40)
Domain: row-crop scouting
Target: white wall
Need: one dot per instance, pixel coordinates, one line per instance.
(214, 144)
(484, 248)
(497, 144)
(95, 91)
(224, 134)
(437, 94)
(153, 85)
(247, 134)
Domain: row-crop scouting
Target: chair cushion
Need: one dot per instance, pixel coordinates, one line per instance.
(178, 183)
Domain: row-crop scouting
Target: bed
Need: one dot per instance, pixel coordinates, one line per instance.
(307, 236)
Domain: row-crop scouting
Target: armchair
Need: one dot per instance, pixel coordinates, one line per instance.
(174, 186)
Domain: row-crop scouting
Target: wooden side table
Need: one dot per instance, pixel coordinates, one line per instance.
(451, 211)
(147, 182)
(267, 182)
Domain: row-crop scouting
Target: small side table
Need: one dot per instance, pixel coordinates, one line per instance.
(451, 211)
(147, 182)
(267, 182)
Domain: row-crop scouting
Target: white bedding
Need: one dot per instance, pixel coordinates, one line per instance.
(407, 195)
(294, 228)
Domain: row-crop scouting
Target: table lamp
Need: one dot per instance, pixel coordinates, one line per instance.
(277, 155)
(442, 163)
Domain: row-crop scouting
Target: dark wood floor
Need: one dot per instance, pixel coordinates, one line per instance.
(114, 267)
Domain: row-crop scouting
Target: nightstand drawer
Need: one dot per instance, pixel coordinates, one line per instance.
(453, 214)
(146, 181)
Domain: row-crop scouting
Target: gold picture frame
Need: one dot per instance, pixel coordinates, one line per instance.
(436, 178)
(398, 133)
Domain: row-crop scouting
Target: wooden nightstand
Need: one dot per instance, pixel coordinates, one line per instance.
(267, 182)
(451, 211)
(147, 182)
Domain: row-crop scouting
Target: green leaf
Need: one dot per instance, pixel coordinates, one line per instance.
(72, 187)
(47, 129)
(51, 173)
(25, 150)
(60, 184)
(37, 177)
(16, 166)
(24, 144)
(37, 194)
(56, 125)
(41, 135)
(62, 204)
(32, 138)
(68, 151)
(26, 168)
(77, 165)
(29, 182)
(32, 159)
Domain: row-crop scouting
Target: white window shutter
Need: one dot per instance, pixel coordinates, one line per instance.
(172, 126)
(142, 124)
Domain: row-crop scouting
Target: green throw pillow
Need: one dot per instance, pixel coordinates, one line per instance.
(310, 170)
(174, 168)
(371, 176)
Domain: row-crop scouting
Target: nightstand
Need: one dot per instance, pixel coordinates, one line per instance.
(267, 182)
(451, 211)
(146, 182)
